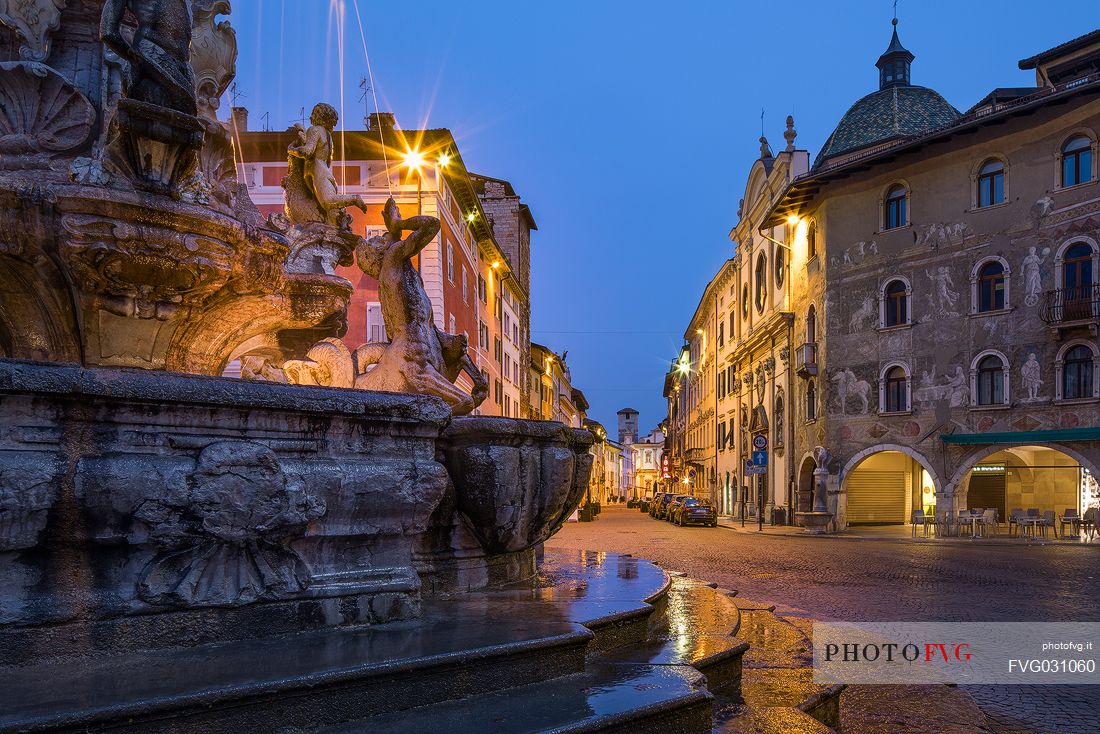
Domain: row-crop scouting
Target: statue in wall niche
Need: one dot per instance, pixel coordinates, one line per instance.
(312, 194)
(1033, 276)
(159, 55)
(1030, 376)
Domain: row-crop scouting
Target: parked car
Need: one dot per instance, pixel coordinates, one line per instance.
(656, 503)
(695, 511)
(666, 505)
(671, 508)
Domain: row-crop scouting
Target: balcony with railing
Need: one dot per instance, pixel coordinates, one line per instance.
(1071, 306)
(805, 360)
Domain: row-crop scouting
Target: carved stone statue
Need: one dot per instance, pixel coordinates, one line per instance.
(311, 191)
(419, 358)
(160, 54)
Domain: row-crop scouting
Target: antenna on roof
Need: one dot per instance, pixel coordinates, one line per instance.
(266, 117)
(301, 119)
(235, 94)
(365, 99)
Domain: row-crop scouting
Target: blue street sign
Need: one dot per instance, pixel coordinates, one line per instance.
(760, 458)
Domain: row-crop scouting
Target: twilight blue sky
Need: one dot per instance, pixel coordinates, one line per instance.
(628, 125)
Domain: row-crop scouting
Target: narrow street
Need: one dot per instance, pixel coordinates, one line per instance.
(870, 580)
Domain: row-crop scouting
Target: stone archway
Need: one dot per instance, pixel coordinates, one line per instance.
(903, 485)
(968, 463)
(805, 487)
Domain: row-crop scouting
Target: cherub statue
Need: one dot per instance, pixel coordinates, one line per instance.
(419, 358)
(311, 191)
(160, 54)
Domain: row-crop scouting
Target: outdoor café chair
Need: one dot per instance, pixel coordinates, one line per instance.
(989, 519)
(1071, 518)
(919, 518)
(1088, 523)
(1014, 521)
(1049, 522)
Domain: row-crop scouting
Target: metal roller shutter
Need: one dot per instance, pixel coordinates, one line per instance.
(876, 496)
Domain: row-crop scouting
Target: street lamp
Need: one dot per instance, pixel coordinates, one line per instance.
(414, 159)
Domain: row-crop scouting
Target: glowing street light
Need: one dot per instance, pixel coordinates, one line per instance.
(414, 160)
(495, 265)
(444, 160)
(471, 217)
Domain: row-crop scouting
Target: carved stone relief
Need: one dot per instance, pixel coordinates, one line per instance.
(940, 234)
(33, 21)
(213, 54)
(41, 112)
(225, 539)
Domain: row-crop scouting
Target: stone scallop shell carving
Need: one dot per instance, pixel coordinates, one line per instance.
(40, 112)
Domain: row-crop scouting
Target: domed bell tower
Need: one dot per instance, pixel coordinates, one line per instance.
(894, 65)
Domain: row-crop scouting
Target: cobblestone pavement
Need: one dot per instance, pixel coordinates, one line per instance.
(871, 580)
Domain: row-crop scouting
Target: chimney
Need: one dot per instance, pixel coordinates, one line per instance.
(383, 121)
(240, 119)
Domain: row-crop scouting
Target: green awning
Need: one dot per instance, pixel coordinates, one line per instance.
(1025, 437)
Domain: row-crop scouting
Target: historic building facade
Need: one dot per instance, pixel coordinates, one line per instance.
(755, 351)
(946, 269)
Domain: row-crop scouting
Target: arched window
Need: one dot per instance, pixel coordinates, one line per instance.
(1077, 280)
(761, 282)
(811, 400)
(896, 390)
(811, 240)
(991, 183)
(1076, 161)
(811, 325)
(1077, 373)
(991, 287)
(894, 210)
(895, 300)
(991, 381)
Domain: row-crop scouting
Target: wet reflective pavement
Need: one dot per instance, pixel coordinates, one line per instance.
(463, 660)
(884, 580)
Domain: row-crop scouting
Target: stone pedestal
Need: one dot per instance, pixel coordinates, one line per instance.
(815, 523)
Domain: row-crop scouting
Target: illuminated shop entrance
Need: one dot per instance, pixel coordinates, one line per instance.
(886, 487)
(1031, 478)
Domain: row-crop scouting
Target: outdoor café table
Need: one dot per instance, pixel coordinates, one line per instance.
(971, 519)
(1030, 526)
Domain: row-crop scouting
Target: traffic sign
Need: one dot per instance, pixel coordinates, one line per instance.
(760, 458)
(760, 442)
(753, 471)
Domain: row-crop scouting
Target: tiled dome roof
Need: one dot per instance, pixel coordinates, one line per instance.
(896, 112)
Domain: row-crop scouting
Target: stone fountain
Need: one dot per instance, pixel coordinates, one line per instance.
(144, 500)
(328, 546)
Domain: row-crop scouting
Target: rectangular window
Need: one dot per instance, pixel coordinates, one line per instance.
(376, 327)
(498, 392)
(483, 335)
(498, 350)
(451, 324)
(497, 307)
(450, 262)
(507, 325)
(465, 287)
(482, 290)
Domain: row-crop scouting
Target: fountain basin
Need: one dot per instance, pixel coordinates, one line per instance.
(515, 481)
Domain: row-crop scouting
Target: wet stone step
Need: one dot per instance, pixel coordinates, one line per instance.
(747, 720)
(639, 699)
(697, 629)
(309, 679)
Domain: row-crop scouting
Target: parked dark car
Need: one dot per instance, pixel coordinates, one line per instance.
(695, 511)
(656, 503)
(666, 504)
(670, 510)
